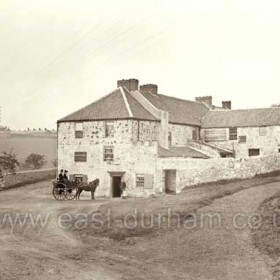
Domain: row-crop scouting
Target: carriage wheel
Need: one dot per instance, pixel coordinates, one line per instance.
(71, 193)
(59, 192)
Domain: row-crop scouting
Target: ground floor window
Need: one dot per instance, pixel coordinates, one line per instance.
(145, 181)
(80, 157)
(254, 152)
(140, 180)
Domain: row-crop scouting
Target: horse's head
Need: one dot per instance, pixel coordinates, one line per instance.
(94, 182)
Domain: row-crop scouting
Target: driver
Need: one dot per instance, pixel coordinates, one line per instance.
(60, 176)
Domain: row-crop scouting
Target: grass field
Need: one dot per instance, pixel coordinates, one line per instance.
(23, 146)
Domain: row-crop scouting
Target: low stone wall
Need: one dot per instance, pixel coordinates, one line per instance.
(196, 171)
(26, 177)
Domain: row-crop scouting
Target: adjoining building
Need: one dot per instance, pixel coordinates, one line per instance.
(125, 135)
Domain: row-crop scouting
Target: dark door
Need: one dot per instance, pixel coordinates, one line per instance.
(170, 181)
(116, 184)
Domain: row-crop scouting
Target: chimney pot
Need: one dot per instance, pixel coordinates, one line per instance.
(149, 88)
(226, 105)
(130, 84)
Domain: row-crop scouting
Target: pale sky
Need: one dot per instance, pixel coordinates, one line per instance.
(60, 55)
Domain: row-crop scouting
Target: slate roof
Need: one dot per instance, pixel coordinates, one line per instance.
(111, 106)
(242, 118)
(186, 152)
(180, 111)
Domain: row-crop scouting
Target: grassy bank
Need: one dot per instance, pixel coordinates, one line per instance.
(133, 217)
(266, 238)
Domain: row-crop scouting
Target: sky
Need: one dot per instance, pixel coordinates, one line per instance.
(58, 56)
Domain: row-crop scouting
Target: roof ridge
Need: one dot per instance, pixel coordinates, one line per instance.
(197, 150)
(248, 109)
(181, 99)
(126, 102)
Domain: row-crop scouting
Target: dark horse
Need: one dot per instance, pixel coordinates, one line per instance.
(90, 187)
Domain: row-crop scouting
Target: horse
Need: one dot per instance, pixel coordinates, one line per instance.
(90, 187)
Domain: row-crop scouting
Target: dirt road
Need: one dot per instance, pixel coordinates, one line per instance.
(198, 250)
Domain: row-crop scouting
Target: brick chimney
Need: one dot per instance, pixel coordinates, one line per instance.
(149, 88)
(205, 99)
(130, 84)
(226, 105)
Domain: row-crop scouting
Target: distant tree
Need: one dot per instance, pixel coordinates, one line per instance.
(54, 162)
(275, 105)
(40, 129)
(34, 129)
(35, 160)
(28, 129)
(8, 161)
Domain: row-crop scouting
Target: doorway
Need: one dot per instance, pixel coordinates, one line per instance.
(116, 186)
(170, 181)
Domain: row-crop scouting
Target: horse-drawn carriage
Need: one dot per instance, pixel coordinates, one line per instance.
(63, 191)
(73, 188)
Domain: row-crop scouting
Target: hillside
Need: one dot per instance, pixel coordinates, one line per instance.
(24, 145)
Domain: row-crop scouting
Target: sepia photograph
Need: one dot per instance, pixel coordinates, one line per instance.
(140, 140)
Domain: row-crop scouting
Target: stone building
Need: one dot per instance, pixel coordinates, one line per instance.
(251, 132)
(134, 133)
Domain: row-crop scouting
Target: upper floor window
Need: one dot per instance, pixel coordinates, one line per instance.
(242, 139)
(108, 153)
(233, 133)
(80, 156)
(79, 130)
(109, 129)
(262, 130)
(195, 134)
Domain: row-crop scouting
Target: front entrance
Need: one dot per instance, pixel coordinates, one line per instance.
(116, 186)
(170, 181)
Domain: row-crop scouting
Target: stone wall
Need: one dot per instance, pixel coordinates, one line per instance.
(145, 130)
(181, 134)
(131, 157)
(196, 171)
(268, 144)
(26, 177)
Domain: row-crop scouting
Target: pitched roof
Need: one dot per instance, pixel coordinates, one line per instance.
(186, 152)
(119, 104)
(242, 118)
(180, 111)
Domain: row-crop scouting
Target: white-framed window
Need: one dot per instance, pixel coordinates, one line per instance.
(262, 130)
(140, 181)
(109, 128)
(108, 153)
(233, 133)
(79, 130)
(80, 156)
(145, 181)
